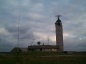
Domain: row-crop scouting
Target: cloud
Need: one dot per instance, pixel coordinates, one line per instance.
(37, 22)
(37, 7)
(35, 16)
(9, 37)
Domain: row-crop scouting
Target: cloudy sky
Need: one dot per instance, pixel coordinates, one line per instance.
(36, 20)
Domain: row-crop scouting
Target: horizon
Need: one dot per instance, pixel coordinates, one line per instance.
(37, 23)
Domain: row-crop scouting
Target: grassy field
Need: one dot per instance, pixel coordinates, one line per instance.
(43, 58)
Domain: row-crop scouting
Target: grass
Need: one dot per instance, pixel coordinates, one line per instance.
(43, 58)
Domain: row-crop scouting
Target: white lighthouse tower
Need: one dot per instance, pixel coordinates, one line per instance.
(59, 33)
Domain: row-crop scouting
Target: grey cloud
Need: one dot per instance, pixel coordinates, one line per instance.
(24, 31)
(26, 36)
(74, 44)
(73, 19)
(5, 45)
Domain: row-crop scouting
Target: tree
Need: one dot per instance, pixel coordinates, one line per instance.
(38, 42)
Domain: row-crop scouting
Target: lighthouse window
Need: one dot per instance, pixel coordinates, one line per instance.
(59, 24)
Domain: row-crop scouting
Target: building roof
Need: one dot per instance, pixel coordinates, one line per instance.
(43, 47)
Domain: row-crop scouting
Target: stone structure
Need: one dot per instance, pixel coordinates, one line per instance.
(59, 34)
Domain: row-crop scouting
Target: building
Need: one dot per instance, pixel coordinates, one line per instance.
(59, 40)
(23, 49)
(42, 48)
(59, 33)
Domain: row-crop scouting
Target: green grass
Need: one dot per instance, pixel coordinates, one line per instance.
(43, 58)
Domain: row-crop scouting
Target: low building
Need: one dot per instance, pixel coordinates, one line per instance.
(43, 48)
(24, 49)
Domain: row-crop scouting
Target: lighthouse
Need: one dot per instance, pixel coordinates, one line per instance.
(59, 33)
